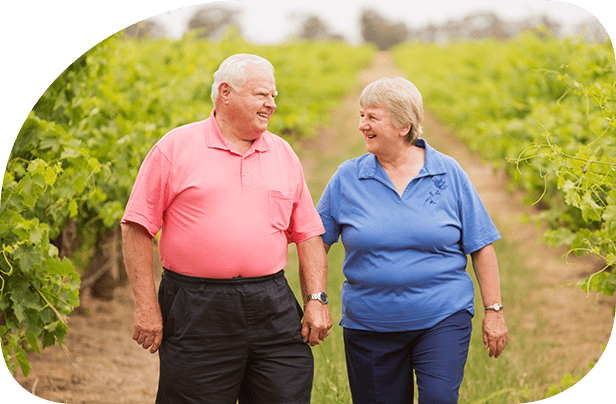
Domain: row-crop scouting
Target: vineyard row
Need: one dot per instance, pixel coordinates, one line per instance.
(543, 109)
(77, 155)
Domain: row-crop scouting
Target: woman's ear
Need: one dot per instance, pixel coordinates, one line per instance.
(404, 131)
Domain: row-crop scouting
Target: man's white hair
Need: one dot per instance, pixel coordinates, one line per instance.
(232, 71)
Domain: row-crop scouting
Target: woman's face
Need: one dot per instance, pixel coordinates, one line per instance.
(382, 137)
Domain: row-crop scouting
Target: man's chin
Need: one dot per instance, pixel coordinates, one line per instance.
(259, 132)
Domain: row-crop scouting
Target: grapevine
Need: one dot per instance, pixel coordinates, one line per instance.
(543, 109)
(78, 153)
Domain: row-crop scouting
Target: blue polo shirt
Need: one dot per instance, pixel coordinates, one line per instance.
(405, 256)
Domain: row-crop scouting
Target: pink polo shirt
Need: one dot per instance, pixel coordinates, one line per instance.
(222, 214)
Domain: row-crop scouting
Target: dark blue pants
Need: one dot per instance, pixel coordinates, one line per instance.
(381, 364)
(225, 340)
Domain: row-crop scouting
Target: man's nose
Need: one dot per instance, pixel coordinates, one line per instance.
(270, 102)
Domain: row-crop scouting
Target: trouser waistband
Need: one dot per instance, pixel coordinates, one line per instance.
(226, 281)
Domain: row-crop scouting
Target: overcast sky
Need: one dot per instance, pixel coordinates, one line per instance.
(274, 20)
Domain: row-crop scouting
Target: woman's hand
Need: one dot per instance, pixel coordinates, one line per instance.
(495, 333)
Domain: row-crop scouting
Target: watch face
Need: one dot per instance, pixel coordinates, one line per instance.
(321, 296)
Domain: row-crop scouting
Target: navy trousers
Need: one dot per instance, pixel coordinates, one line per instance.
(381, 364)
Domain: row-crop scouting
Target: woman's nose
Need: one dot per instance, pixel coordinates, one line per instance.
(362, 124)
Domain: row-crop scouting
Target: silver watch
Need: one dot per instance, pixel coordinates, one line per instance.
(495, 307)
(320, 296)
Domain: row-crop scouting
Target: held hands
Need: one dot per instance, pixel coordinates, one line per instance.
(495, 333)
(316, 323)
(148, 327)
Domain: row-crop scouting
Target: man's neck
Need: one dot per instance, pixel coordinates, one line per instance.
(236, 140)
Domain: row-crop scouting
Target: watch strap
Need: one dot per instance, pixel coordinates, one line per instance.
(320, 296)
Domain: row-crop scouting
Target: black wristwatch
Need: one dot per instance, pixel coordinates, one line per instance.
(320, 296)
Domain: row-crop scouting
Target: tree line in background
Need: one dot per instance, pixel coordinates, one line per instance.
(212, 21)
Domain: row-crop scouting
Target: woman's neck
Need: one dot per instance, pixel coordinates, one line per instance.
(398, 159)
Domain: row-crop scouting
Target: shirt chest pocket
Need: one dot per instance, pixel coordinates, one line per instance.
(280, 208)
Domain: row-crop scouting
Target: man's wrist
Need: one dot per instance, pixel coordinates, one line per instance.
(321, 297)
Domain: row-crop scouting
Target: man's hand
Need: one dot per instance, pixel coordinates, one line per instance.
(312, 279)
(495, 334)
(137, 247)
(148, 328)
(316, 323)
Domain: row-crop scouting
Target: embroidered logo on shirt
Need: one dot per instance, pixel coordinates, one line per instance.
(440, 185)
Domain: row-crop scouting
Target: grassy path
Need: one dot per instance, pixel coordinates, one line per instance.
(555, 329)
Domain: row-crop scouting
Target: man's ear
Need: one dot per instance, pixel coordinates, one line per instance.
(224, 90)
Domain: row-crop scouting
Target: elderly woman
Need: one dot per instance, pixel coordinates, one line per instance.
(408, 216)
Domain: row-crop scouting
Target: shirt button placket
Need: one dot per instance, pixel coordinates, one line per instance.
(244, 172)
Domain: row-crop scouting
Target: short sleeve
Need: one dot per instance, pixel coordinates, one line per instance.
(149, 196)
(328, 208)
(305, 222)
(478, 230)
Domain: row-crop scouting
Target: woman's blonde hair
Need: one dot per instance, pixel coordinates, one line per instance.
(401, 99)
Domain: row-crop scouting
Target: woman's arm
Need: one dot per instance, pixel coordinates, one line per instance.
(495, 334)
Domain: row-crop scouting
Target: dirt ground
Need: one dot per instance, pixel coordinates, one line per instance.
(99, 363)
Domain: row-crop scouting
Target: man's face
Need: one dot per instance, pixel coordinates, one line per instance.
(252, 105)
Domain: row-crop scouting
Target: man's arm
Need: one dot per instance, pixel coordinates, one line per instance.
(137, 247)
(313, 278)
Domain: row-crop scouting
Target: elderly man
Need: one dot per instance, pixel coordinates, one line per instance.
(229, 196)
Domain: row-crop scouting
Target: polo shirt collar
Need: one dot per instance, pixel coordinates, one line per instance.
(215, 140)
(433, 165)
